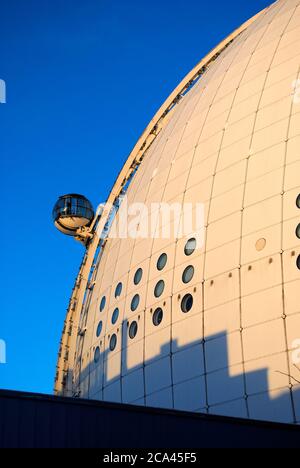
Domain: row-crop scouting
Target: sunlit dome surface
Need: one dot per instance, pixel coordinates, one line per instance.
(213, 327)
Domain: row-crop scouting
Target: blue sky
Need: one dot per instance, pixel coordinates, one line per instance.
(83, 80)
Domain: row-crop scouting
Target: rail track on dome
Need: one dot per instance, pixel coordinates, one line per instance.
(73, 331)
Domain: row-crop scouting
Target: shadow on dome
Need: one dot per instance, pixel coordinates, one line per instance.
(178, 378)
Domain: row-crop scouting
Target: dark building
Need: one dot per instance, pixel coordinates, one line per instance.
(39, 421)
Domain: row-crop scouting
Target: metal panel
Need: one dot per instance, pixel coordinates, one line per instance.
(37, 421)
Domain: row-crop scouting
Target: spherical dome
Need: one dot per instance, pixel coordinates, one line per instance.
(215, 312)
(72, 212)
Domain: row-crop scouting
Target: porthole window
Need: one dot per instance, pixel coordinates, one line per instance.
(261, 244)
(99, 329)
(135, 302)
(102, 304)
(298, 231)
(97, 355)
(162, 261)
(158, 317)
(133, 329)
(298, 201)
(118, 290)
(113, 342)
(187, 303)
(190, 247)
(115, 316)
(159, 288)
(298, 262)
(138, 276)
(188, 274)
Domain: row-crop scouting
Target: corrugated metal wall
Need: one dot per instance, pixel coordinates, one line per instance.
(35, 421)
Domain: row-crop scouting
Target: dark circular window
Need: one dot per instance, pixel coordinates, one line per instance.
(102, 304)
(99, 329)
(97, 355)
(133, 329)
(298, 262)
(118, 290)
(188, 274)
(113, 342)
(158, 317)
(159, 288)
(190, 247)
(115, 316)
(162, 261)
(138, 276)
(298, 201)
(135, 302)
(298, 231)
(187, 303)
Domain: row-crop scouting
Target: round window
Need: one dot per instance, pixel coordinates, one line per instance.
(97, 355)
(261, 244)
(138, 276)
(298, 201)
(298, 231)
(133, 329)
(190, 247)
(113, 342)
(187, 303)
(298, 262)
(135, 302)
(162, 261)
(118, 290)
(159, 288)
(188, 274)
(115, 316)
(158, 317)
(99, 329)
(102, 304)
